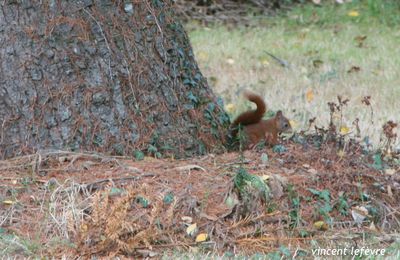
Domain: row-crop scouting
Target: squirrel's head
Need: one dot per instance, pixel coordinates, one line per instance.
(282, 123)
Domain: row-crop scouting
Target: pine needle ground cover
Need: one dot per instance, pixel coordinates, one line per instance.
(75, 204)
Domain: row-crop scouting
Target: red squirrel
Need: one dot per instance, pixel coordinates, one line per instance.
(255, 129)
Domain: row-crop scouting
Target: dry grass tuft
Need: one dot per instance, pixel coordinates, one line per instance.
(119, 225)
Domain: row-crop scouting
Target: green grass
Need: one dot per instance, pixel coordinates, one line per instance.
(15, 245)
(234, 59)
(376, 12)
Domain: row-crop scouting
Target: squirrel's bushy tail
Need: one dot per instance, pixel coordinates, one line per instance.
(252, 116)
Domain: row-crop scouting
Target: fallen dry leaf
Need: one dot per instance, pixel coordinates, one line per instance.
(201, 237)
(353, 13)
(191, 230)
(190, 167)
(309, 96)
(321, 225)
(354, 69)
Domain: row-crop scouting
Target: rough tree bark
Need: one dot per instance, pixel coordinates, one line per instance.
(109, 76)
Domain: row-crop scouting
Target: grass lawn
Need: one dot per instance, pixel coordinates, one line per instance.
(352, 50)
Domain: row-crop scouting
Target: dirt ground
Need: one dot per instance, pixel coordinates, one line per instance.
(80, 204)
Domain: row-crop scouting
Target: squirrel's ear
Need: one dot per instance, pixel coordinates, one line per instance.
(279, 113)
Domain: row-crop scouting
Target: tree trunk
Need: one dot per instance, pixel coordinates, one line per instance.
(115, 77)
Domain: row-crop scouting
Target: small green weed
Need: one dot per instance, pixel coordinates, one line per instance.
(323, 206)
(294, 213)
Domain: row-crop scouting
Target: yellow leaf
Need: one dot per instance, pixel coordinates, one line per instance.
(84, 228)
(149, 159)
(344, 130)
(293, 123)
(191, 230)
(201, 237)
(230, 61)
(8, 202)
(202, 55)
(353, 13)
(230, 108)
(309, 96)
(341, 153)
(264, 61)
(321, 225)
(265, 177)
